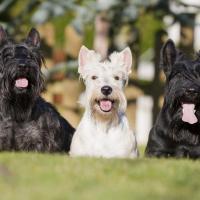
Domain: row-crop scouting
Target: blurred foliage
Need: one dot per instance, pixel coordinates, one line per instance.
(18, 15)
(89, 36)
(148, 25)
(60, 24)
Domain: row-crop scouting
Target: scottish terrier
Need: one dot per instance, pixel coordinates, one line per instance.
(176, 132)
(27, 122)
(104, 130)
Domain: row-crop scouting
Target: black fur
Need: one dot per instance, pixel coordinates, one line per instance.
(27, 122)
(170, 136)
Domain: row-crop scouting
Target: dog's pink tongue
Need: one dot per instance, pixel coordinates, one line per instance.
(188, 113)
(21, 83)
(105, 105)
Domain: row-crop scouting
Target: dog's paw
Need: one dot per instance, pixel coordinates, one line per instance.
(181, 152)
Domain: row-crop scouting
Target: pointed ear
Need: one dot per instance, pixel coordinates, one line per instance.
(3, 35)
(33, 38)
(86, 56)
(168, 56)
(82, 58)
(126, 57)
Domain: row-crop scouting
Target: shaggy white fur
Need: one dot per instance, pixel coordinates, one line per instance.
(104, 129)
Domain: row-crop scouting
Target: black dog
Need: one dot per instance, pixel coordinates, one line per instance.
(27, 122)
(177, 129)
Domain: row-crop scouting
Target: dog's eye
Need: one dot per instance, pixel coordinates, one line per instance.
(116, 78)
(94, 77)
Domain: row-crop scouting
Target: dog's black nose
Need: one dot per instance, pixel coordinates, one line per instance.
(106, 90)
(21, 64)
(191, 91)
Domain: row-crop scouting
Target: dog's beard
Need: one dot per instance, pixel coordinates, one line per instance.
(17, 85)
(18, 101)
(181, 106)
(178, 128)
(107, 109)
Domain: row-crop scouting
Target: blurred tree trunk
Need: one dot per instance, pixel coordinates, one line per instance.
(157, 84)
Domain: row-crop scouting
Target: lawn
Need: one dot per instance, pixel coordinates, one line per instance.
(31, 176)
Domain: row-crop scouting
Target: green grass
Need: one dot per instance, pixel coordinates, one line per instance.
(29, 176)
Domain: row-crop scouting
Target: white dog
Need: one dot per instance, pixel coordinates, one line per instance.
(104, 129)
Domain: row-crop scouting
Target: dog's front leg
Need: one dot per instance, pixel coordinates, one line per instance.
(181, 151)
(157, 146)
(28, 140)
(6, 135)
(194, 152)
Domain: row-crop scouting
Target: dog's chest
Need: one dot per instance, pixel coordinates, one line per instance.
(106, 141)
(93, 141)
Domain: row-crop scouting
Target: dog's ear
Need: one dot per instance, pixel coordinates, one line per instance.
(168, 56)
(33, 38)
(86, 56)
(82, 58)
(124, 58)
(3, 35)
